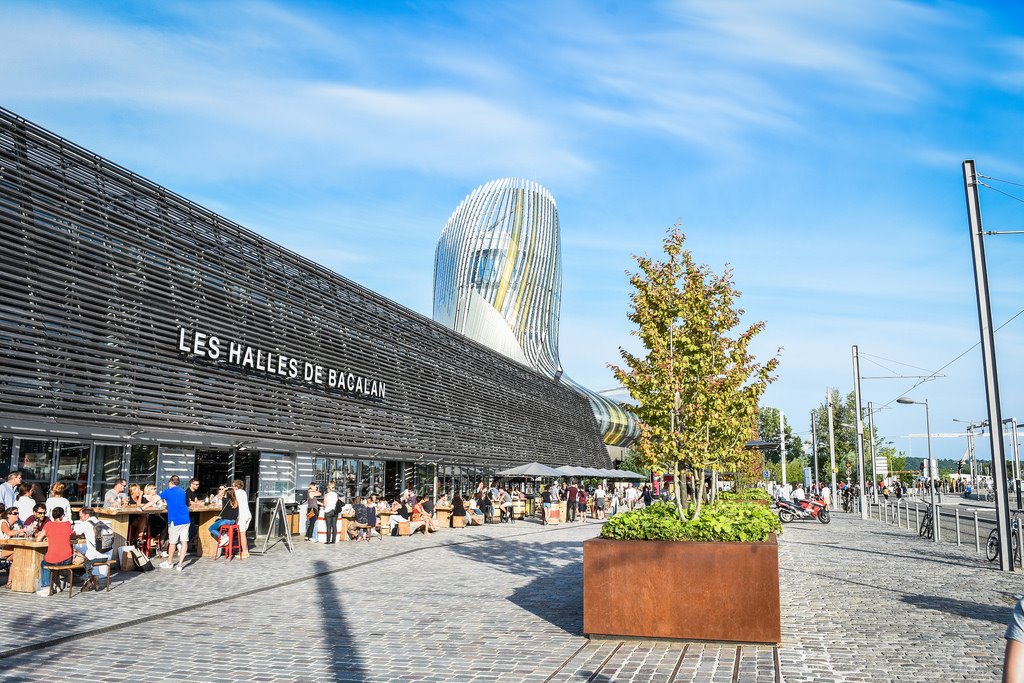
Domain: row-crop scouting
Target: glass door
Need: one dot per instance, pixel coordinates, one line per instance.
(73, 469)
(107, 464)
(35, 461)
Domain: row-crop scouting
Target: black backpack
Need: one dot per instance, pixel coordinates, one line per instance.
(361, 515)
(337, 506)
(103, 536)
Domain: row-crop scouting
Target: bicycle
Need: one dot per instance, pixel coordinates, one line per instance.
(993, 548)
(927, 528)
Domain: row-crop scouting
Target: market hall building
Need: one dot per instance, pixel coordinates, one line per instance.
(142, 336)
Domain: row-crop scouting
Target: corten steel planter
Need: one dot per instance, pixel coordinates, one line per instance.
(682, 590)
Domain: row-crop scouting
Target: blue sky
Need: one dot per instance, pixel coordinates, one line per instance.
(815, 146)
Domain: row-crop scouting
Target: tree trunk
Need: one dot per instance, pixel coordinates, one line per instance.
(698, 493)
(680, 490)
(713, 493)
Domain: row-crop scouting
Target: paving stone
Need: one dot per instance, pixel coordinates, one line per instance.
(862, 601)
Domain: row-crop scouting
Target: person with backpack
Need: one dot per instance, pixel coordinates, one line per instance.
(98, 543)
(332, 506)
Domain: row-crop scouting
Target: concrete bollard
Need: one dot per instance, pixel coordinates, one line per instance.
(977, 537)
(956, 518)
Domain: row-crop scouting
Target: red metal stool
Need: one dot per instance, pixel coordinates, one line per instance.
(144, 540)
(234, 541)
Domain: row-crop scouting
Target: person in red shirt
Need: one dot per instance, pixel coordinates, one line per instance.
(57, 534)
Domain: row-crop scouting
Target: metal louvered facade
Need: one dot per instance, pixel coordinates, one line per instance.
(106, 277)
(498, 279)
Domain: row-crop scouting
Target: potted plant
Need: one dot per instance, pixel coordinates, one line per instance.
(700, 568)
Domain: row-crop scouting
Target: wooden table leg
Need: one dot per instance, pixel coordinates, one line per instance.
(26, 569)
(207, 546)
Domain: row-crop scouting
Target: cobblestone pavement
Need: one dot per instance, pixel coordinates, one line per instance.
(861, 602)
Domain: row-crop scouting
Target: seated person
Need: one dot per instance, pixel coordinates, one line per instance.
(57, 533)
(116, 497)
(423, 519)
(34, 524)
(157, 524)
(458, 507)
(228, 515)
(85, 529)
(10, 527)
(363, 522)
(475, 514)
(443, 501)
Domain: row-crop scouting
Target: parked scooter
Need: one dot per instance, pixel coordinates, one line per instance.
(812, 508)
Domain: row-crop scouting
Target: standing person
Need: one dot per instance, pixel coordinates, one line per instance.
(26, 503)
(331, 512)
(194, 499)
(648, 496)
(244, 516)
(581, 503)
(630, 497)
(570, 502)
(57, 533)
(178, 523)
(57, 499)
(599, 496)
(9, 490)
(312, 511)
(826, 495)
(545, 500)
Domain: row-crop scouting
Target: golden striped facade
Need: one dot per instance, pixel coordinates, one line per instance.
(498, 280)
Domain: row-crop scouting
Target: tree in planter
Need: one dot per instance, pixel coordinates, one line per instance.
(697, 387)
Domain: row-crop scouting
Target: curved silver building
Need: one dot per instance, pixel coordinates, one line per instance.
(498, 280)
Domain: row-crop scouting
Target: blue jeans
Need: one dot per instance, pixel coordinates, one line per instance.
(215, 527)
(45, 578)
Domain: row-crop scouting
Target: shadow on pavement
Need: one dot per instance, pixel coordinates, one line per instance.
(961, 608)
(332, 628)
(555, 570)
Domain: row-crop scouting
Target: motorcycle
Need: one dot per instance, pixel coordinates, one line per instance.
(811, 508)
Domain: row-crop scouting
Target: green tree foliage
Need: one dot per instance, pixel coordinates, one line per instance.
(768, 430)
(634, 462)
(697, 386)
(844, 409)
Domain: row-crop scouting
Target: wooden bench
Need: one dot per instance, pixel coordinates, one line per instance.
(56, 570)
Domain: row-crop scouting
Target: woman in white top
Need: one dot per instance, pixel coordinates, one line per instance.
(57, 500)
(244, 515)
(331, 512)
(25, 501)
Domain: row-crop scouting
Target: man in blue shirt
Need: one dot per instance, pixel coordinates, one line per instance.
(178, 521)
(9, 490)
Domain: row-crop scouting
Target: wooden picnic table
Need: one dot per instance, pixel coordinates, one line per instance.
(26, 563)
(119, 520)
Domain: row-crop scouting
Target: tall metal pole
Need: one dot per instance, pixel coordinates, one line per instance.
(871, 444)
(782, 444)
(860, 435)
(970, 455)
(814, 447)
(936, 522)
(1016, 460)
(988, 357)
(831, 441)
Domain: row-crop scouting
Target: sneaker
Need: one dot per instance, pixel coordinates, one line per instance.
(163, 553)
(179, 567)
(224, 541)
(45, 592)
(166, 565)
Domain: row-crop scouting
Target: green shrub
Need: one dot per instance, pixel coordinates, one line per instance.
(754, 493)
(724, 521)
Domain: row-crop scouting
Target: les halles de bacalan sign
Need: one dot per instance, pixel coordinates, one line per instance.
(203, 345)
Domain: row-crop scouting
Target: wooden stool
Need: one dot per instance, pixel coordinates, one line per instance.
(459, 521)
(144, 540)
(404, 529)
(234, 541)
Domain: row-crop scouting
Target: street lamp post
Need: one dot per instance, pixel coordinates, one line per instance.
(931, 480)
(832, 442)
